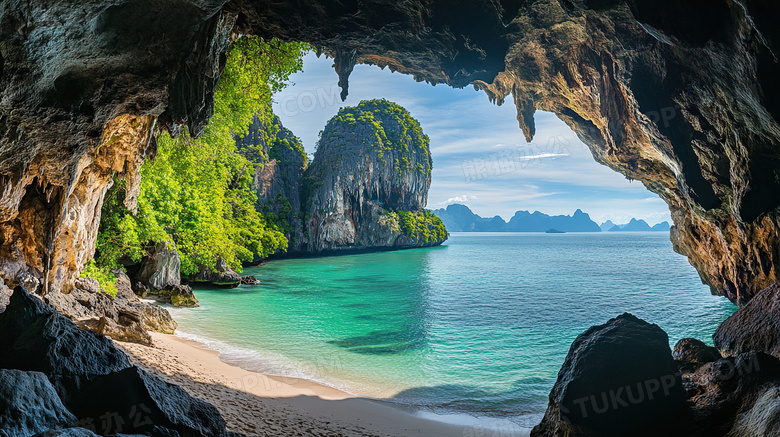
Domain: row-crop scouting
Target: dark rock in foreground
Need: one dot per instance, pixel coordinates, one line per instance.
(29, 404)
(92, 379)
(619, 379)
(690, 354)
(733, 395)
(755, 326)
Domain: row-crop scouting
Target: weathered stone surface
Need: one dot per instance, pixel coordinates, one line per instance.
(88, 372)
(29, 404)
(724, 395)
(249, 280)
(371, 162)
(182, 295)
(756, 326)
(161, 269)
(221, 275)
(761, 420)
(156, 403)
(28, 281)
(278, 182)
(132, 332)
(45, 341)
(5, 295)
(157, 319)
(690, 354)
(618, 379)
(88, 283)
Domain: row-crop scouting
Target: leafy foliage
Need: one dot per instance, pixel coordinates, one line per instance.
(422, 226)
(105, 278)
(198, 192)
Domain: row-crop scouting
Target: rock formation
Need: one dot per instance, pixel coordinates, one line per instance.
(618, 379)
(459, 218)
(690, 354)
(756, 326)
(161, 268)
(278, 181)
(367, 186)
(85, 372)
(221, 276)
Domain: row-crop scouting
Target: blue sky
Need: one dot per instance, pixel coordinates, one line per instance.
(480, 157)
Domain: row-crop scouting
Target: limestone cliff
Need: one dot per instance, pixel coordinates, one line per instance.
(368, 183)
(277, 179)
(681, 96)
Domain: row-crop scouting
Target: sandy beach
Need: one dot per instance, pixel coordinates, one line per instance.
(261, 405)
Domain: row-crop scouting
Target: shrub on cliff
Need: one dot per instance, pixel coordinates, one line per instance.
(422, 226)
(198, 192)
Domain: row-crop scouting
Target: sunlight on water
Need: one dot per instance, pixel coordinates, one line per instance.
(480, 325)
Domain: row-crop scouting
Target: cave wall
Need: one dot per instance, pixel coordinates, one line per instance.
(680, 95)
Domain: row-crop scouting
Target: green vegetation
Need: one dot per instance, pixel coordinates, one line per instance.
(422, 226)
(198, 192)
(391, 130)
(105, 278)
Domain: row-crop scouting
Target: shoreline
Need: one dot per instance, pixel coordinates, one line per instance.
(262, 405)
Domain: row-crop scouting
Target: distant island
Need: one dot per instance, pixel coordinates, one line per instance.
(459, 218)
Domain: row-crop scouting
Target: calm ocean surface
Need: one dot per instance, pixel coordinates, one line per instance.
(478, 326)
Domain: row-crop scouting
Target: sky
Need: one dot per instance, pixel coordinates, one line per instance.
(480, 156)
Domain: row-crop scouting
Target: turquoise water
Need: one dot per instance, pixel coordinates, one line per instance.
(479, 325)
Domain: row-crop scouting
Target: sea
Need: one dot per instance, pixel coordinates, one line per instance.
(472, 332)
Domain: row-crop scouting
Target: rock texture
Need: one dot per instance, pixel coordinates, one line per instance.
(372, 164)
(278, 182)
(680, 96)
(731, 396)
(29, 404)
(756, 326)
(221, 276)
(161, 268)
(690, 354)
(618, 379)
(85, 372)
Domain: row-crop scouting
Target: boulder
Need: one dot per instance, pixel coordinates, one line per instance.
(88, 372)
(755, 326)
(68, 432)
(161, 269)
(88, 283)
(618, 379)
(157, 319)
(249, 280)
(182, 296)
(690, 354)
(131, 332)
(222, 275)
(124, 289)
(725, 394)
(140, 289)
(763, 419)
(29, 404)
(147, 404)
(45, 341)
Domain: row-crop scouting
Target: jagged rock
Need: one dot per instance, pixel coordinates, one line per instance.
(157, 319)
(132, 332)
(5, 295)
(161, 269)
(29, 404)
(88, 283)
(182, 296)
(28, 281)
(87, 371)
(278, 182)
(43, 340)
(372, 166)
(221, 275)
(724, 394)
(761, 420)
(140, 289)
(68, 432)
(755, 326)
(690, 354)
(249, 280)
(146, 404)
(124, 289)
(618, 379)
